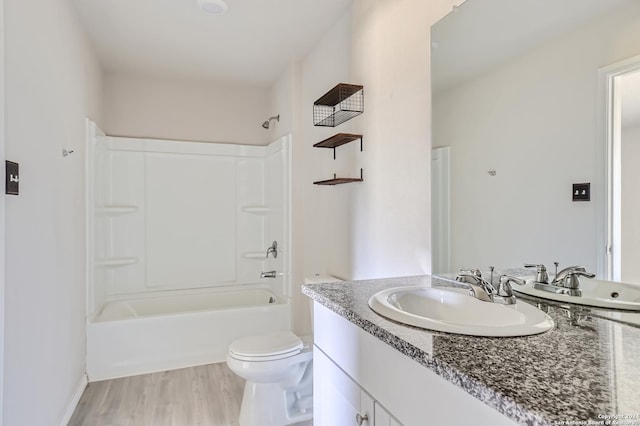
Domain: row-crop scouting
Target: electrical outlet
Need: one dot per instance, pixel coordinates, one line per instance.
(581, 192)
(12, 178)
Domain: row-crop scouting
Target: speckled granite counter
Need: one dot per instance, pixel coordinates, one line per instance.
(584, 369)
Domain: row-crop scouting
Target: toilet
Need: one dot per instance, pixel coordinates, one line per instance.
(278, 369)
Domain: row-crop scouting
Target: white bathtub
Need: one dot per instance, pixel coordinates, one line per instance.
(143, 335)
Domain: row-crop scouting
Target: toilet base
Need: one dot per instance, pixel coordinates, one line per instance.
(269, 404)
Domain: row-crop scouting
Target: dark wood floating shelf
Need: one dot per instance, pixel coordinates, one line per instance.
(338, 94)
(338, 140)
(338, 105)
(339, 181)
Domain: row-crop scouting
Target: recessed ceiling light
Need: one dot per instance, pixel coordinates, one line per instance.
(214, 7)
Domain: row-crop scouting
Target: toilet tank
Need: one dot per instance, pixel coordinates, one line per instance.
(321, 278)
(318, 279)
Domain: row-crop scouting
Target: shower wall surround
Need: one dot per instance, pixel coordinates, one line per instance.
(172, 215)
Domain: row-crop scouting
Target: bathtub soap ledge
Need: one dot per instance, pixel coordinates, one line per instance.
(116, 261)
(116, 210)
(257, 209)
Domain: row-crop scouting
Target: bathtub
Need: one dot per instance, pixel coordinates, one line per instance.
(148, 334)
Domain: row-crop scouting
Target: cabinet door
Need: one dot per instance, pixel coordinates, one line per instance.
(366, 412)
(336, 398)
(382, 417)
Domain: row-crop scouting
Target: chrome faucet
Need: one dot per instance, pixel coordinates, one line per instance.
(273, 250)
(478, 286)
(505, 292)
(565, 282)
(268, 274)
(484, 290)
(541, 272)
(568, 277)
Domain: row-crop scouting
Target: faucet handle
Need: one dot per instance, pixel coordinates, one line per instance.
(538, 266)
(273, 249)
(571, 278)
(504, 294)
(541, 272)
(507, 279)
(475, 272)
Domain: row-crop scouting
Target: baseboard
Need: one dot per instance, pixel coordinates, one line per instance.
(73, 402)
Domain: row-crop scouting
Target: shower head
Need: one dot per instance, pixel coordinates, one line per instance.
(267, 122)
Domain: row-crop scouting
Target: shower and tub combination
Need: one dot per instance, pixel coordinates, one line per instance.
(187, 250)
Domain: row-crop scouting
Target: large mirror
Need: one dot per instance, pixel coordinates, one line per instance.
(519, 116)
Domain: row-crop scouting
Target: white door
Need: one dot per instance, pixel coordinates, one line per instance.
(629, 174)
(440, 210)
(621, 118)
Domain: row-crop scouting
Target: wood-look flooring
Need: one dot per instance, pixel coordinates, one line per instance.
(208, 395)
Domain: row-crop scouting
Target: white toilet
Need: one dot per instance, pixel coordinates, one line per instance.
(278, 369)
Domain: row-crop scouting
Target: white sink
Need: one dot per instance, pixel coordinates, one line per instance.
(599, 293)
(452, 310)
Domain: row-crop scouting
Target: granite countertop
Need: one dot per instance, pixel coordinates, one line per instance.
(584, 369)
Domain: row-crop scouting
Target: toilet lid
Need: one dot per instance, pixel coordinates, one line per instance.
(278, 345)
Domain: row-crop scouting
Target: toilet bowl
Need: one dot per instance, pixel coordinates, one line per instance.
(278, 369)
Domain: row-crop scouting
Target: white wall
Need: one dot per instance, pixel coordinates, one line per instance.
(391, 211)
(52, 81)
(180, 109)
(325, 209)
(320, 240)
(534, 122)
(380, 227)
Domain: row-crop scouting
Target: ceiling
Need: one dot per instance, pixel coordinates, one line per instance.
(252, 43)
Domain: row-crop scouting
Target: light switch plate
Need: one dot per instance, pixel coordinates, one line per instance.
(12, 178)
(581, 192)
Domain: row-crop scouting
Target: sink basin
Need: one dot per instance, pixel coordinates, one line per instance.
(598, 293)
(453, 310)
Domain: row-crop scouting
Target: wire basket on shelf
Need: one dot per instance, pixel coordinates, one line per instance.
(338, 105)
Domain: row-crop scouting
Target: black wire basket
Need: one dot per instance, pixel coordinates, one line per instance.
(338, 105)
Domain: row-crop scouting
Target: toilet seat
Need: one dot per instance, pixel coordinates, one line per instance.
(271, 347)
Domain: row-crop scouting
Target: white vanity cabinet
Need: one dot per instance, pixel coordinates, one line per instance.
(382, 416)
(340, 401)
(356, 373)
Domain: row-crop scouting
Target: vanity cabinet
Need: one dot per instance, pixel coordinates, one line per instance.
(382, 416)
(340, 401)
(357, 373)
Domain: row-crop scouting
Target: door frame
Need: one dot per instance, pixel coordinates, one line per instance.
(609, 206)
(2, 213)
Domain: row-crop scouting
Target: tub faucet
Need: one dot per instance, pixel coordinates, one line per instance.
(268, 274)
(273, 249)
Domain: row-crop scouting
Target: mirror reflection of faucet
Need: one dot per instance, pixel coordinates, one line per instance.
(566, 281)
